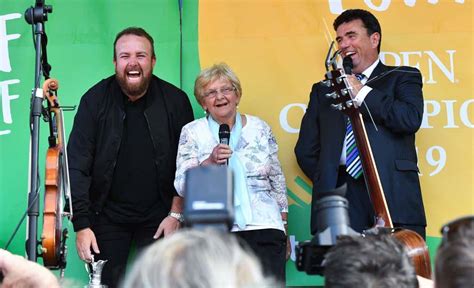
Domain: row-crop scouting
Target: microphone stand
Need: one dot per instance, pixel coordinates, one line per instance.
(36, 16)
(180, 6)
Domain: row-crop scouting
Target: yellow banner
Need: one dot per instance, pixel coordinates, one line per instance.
(277, 48)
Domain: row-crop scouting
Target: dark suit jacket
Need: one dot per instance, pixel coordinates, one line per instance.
(396, 105)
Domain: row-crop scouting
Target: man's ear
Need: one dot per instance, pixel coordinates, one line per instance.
(375, 39)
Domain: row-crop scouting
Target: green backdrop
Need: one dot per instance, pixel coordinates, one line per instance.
(80, 36)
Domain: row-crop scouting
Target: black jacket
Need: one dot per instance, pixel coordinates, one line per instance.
(95, 140)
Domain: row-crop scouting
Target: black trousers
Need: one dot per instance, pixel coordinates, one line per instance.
(269, 245)
(361, 211)
(115, 241)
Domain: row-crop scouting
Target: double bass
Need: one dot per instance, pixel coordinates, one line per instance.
(57, 189)
(342, 95)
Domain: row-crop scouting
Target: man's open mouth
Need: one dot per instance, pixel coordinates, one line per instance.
(133, 74)
(350, 53)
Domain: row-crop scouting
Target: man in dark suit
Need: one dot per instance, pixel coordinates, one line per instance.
(394, 99)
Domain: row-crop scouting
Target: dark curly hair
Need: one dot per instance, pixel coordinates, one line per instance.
(370, 22)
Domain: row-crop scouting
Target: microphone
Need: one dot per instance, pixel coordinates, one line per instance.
(224, 136)
(347, 64)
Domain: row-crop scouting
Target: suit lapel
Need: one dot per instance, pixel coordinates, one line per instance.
(379, 69)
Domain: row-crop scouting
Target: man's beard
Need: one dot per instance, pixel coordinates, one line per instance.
(133, 89)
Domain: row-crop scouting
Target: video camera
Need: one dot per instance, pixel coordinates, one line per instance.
(332, 221)
(209, 202)
(209, 198)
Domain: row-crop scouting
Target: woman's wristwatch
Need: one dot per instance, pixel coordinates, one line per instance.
(176, 215)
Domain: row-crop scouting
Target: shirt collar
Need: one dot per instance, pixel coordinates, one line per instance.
(367, 72)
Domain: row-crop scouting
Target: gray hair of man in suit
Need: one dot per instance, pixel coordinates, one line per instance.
(197, 258)
(373, 261)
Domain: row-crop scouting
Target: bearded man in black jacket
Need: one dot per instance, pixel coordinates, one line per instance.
(122, 157)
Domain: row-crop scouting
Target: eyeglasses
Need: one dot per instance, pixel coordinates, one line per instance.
(224, 91)
(450, 229)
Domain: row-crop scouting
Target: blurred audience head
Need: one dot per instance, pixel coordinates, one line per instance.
(455, 257)
(369, 262)
(196, 258)
(20, 272)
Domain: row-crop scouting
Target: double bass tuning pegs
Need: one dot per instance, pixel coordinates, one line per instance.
(332, 95)
(345, 91)
(326, 82)
(337, 107)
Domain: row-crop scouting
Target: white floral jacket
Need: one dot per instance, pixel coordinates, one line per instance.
(257, 151)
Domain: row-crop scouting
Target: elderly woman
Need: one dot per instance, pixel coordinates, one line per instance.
(260, 200)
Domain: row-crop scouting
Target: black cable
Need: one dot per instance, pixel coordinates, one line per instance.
(22, 218)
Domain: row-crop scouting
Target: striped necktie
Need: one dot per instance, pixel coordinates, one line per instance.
(360, 76)
(353, 163)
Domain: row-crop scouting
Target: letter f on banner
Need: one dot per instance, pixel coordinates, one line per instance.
(4, 38)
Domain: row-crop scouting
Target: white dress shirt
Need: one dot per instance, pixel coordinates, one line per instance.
(359, 99)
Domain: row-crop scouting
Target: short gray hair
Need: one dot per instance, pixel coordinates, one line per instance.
(215, 72)
(196, 258)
